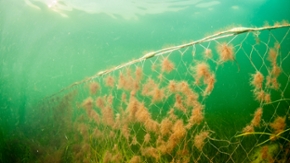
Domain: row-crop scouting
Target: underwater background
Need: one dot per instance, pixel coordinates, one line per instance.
(46, 45)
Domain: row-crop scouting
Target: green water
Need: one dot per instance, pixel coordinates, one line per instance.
(44, 49)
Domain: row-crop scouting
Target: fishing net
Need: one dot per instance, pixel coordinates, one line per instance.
(223, 98)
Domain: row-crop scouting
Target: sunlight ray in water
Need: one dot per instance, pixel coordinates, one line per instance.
(128, 9)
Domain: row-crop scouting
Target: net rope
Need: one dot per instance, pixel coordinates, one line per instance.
(223, 98)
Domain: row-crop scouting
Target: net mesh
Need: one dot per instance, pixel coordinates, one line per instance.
(224, 98)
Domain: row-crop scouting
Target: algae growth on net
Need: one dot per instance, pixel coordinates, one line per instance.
(223, 98)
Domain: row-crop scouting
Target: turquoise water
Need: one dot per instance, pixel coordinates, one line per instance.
(47, 45)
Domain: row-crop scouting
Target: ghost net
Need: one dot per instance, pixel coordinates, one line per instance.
(223, 98)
